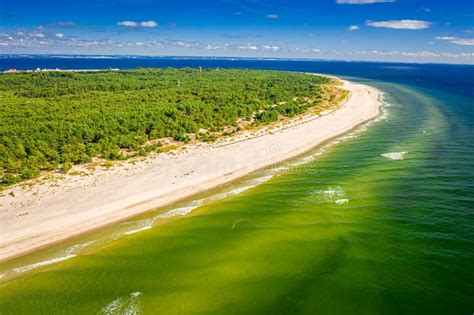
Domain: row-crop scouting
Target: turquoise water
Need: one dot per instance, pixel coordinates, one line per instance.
(378, 221)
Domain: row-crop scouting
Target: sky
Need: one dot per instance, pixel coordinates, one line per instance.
(372, 30)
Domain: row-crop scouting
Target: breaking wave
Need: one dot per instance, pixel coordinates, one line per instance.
(64, 255)
(303, 160)
(43, 263)
(331, 194)
(182, 211)
(394, 155)
(138, 230)
(341, 201)
(123, 306)
(230, 193)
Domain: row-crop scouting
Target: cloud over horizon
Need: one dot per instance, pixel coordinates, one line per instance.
(149, 24)
(400, 24)
(457, 41)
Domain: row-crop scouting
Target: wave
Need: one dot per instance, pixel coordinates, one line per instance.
(182, 211)
(123, 306)
(76, 248)
(261, 180)
(341, 201)
(303, 160)
(278, 169)
(329, 195)
(138, 230)
(394, 155)
(64, 255)
(254, 182)
(43, 263)
(137, 226)
(230, 193)
(383, 116)
(347, 137)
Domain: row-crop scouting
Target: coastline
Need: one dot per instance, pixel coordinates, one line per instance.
(41, 216)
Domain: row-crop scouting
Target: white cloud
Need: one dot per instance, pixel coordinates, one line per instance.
(416, 54)
(128, 23)
(457, 41)
(400, 24)
(148, 24)
(247, 47)
(272, 16)
(353, 28)
(464, 41)
(445, 38)
(362, 1)
(271, 47)
(24, 40)
(59, 35)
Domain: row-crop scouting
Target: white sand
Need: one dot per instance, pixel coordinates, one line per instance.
(49, 213)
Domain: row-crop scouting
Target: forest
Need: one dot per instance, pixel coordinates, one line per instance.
(52, 120)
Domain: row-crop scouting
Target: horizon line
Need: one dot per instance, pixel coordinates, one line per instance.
(240, 58)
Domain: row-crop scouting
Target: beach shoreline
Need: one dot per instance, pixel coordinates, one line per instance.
(43, 215)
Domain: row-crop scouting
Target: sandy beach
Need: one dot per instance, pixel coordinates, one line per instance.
(42, 214)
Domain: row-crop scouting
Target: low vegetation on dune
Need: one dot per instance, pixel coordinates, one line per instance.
(52, 120)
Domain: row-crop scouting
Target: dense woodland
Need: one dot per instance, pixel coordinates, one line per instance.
(55, 119)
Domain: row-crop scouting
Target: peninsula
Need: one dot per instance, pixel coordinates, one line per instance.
(247, 121)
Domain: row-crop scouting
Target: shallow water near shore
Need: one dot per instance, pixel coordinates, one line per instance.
(377, 221)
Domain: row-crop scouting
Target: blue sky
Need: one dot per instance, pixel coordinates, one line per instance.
(378, 30)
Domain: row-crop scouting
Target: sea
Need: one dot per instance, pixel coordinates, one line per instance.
(379, 220)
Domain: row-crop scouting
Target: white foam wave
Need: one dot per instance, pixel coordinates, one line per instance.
(64, 255)
(123, 306)
(43, 263)
(262, 179)
(230, 193)
(347, 137)
(75, 248)
(176, 212)
(304, 160)
(2, 275)
(138, 230)
(182, 211)
(394, 155)
(278, 169)
(331, 194)
(113, 307)
(341, 201)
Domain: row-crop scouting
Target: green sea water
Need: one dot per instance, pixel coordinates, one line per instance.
(376, 221)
